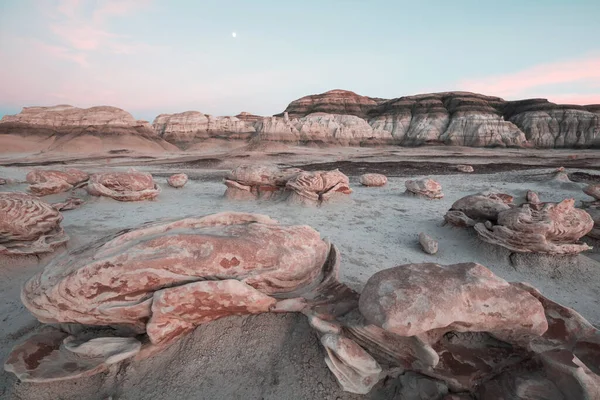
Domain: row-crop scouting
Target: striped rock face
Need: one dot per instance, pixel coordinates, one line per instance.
(177, 180)
(28, 225)
(123, 186)
(317, 187)
(425, 187)
(152, 272)
(46, 182)
(552, 228)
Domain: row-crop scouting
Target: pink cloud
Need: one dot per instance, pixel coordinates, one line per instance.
(574, 98)
(61, 52)
(585, 69)
(118, 8)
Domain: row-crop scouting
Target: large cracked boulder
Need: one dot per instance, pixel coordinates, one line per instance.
(251, 182)
(123, 186)
(318, 187)
(163, 280)
(480, 207)
(28, 225)
(46, 182)
(552, 228)
(427, 188)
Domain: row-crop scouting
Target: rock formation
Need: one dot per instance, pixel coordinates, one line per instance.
(553, 228)
(332, 102)
(28, 225)
(593, 191)
(317, 187)
(427, 188)
(123, 186)
(428, 244)
(481, 207)
(70, 203)
(46, 182)
(593, 209)
(164, 280)
(373, 180)
(251, 182)
(71, 129)
(464, 168)
(177, 180)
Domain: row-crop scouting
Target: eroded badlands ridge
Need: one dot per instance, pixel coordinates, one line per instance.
(336, 117)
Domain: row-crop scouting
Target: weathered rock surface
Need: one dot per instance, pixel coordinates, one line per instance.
(28, 225)
(46, 182)
(185, 128)
(592, 190)
(72, 129)
(123, 186)
(251, 182)
(332, 102)
(532, 197)
(481, 207)
(373, 180)
(553, 228)
(177, 180)
(70, 203)
(594, 212)
(317, 187)
(413, 299)
(464, 168)
(428, 244)
(427, 188)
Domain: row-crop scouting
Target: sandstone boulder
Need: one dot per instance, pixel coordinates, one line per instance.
(250, 182)
(594, 212)
(593, 190)
(464, 168)
(427, 188)
(177, 180)
(373, 180)
(70, 203)
(481, 207)
(532, 197)
(28, 225)
(46, 182)
(413, 299)
(317, 187)
(123, 186)
(428, 244)
(552, 228)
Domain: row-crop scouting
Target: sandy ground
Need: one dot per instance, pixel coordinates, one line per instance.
(275, 356)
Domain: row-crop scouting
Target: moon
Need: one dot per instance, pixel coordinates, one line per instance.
(233, 34)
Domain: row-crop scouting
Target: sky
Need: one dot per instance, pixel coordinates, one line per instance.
(164, 56)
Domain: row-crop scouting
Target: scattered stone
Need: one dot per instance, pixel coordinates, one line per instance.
(373, 180)
(480, 207)
(28, 225)
(46, 182)
(317, 187)
(70, 204)
(593, 190)
(429, 244)
(553, 228)
(561, 175)
(532, 197)
(594, 212)
(251, 182)
(465, 168)
(425, 187)
(177, 180)
(123, 186)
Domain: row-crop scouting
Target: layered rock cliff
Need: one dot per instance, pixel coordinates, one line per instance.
(72, 129)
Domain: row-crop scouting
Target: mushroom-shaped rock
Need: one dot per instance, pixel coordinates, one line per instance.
(413, 299)
(553, 228)
(177, 180)
(464, 168)
(28, 225)
(317, 187)
(248, 182)
(123, 186)
(481, 207)
(425, 187)
(429, 244)
(46, 182)
(592, 190)
(373, 180)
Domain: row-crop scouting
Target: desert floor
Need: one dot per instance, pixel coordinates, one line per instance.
(277, 356)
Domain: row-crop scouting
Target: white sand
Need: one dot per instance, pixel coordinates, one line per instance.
(376, 228)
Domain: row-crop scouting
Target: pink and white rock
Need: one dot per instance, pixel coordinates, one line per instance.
(177, 180)
(592, 190)
(28, 225)
(153, 280)
(553, 228)
(481, 207)
(123, 186)
(317, 187)
(532, 197)
(464, 168)
(414, 299)
(249, 182)
(46, 182)
(71, 203)
(373, 180)
(425, 187)
(428, 244)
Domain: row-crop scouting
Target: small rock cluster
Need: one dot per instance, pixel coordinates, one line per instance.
(427, 188)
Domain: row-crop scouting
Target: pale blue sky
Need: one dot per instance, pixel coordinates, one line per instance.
(159, 56)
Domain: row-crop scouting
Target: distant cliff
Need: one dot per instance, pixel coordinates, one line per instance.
(337, 117)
